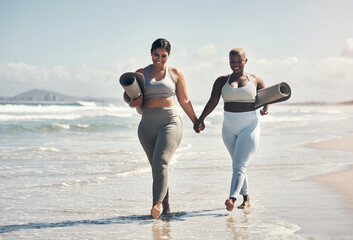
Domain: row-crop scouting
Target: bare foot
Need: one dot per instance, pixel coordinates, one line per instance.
(229, 204)
(246, 203)
(156, 210)
(166, 208)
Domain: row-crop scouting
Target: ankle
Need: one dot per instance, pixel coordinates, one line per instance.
(156, 203)
(246, 198)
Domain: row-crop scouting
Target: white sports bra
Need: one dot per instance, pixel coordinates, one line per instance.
(246, 93)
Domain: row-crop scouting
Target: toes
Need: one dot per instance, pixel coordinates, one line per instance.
(155, 212)
(242, 206)
(229, 205)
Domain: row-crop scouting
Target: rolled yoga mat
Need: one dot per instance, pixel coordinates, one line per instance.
(133, 84)
(274, 94)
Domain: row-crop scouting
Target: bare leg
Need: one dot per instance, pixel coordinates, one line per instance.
(230, 204)
(165, 204)
(246, 202)
(156, 210)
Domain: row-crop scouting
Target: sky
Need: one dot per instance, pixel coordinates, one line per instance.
(81, 47)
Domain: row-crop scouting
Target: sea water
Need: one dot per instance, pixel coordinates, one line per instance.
(77, 171)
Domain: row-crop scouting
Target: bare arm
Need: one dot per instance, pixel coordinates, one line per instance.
(182, 95)
(211, 104)
(260, 84)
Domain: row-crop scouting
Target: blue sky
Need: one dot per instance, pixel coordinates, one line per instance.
(81, 47)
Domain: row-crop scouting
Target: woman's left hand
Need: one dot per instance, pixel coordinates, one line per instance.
(135, 101)
(264, 110)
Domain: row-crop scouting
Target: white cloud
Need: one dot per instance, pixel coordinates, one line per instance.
(207, 50)
(182, 52)
(83, 80)
(347, 48)
(328, 79)
(130, 66)
(21, 72)
(78, 81)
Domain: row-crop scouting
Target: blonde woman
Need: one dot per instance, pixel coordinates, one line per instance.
(241, 129)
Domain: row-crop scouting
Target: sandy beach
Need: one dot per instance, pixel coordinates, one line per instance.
(340, 181)
(321, 204)
(344, 144)
(82, 174)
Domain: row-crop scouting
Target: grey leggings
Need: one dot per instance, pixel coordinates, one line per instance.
(160, 132)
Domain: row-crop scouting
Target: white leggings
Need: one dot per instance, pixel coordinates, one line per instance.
(241, 135)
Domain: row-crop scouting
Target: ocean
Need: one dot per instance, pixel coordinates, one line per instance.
(77, 171)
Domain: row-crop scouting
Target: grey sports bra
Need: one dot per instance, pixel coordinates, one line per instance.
(162, 88)
(246, 93)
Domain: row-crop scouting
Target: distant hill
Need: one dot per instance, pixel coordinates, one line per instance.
(39, 95)
(44, 95)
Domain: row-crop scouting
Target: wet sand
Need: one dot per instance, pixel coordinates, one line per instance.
(344, 144)
(340, 181)
(87, 195)
(322, 205)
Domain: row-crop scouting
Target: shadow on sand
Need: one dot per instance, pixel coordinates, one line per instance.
(140, 219)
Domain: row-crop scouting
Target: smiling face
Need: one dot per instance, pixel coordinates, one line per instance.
(237, 62)
(159, 56)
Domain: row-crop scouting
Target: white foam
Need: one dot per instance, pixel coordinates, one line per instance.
(81, 182)
(83, 125)
(37, 108)
(67, 112)
(48, 149)
(59, 125)
(280, 230)
(133, 172)
(6, 117)
(87, 104)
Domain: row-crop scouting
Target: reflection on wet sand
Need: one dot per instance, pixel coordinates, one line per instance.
(239, 228)
(161, 230)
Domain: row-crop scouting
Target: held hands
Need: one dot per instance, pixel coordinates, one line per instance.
(135, 101)
(199, 126)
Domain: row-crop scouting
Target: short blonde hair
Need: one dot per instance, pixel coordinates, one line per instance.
(237, 51)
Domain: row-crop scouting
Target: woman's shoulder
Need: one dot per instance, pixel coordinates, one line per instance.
(176, 74)
(254, 77)
(259, 83)
(142, 70)
(175, 70)
(222, 79)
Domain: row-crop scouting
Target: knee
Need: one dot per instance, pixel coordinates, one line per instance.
(240, 169)
(160, 166)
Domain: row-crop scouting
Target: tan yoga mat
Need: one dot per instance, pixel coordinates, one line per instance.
(134, 85)
(277, 93)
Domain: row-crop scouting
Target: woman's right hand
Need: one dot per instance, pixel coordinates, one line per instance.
(135, 101)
